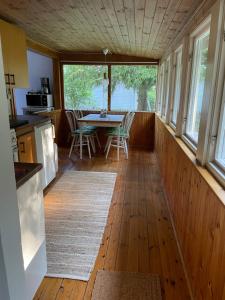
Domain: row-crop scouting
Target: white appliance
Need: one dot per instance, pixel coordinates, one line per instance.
(45, 148)
(14, 145)
(41, 100)
(32, 228)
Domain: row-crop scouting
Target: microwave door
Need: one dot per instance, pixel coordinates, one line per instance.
(34, 100)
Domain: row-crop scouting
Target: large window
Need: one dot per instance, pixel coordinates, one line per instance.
(132, 87)
(197, 83)
(177, 85)
(84, 87)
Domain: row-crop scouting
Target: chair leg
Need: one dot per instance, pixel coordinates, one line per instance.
(123, 145)
(109, 145)
(71, 147)
(81, 145)
(96, 135)
(126, 148)
(88, 145)
(93, 143)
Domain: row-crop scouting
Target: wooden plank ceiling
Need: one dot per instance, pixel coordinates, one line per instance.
(129, 27)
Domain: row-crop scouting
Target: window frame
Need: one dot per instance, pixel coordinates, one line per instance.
(202, 28)
(160, 89)
(166, 94)
(217, 169)
(173, 85)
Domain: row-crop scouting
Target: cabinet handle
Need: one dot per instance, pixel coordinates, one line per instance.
(22, 150)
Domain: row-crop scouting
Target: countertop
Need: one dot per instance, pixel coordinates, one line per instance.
(21, 121)
(24, 171)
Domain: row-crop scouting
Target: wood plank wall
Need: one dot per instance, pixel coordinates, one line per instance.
(198, 214)
(143, 130)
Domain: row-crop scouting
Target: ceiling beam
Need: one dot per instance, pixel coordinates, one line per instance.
(41, 49)
(95, 58)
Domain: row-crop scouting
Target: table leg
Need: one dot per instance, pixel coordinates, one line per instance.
(81, 146)
(118, 143)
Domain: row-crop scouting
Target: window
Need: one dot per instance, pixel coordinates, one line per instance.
(166, 88)
(220, 147)
(133, 88)
(84, 87)
(177, 85)
(197, 83)
(161, 88)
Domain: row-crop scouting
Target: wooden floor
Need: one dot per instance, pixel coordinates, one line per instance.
(138, 236)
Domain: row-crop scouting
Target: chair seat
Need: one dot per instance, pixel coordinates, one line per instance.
(88, 127)
(115, 131)
(83, 131)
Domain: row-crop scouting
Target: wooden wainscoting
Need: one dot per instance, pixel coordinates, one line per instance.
(143, 130)
(196, 202)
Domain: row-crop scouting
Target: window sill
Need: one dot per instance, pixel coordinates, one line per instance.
(217, 172)
(172, 126)
(189, 143)
(212, 182)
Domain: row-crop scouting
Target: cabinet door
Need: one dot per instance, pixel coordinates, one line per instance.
(26, 148)
(14, 48)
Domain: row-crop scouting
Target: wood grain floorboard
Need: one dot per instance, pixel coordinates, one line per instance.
(138, 236)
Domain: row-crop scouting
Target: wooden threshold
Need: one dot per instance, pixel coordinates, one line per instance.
(138, 237)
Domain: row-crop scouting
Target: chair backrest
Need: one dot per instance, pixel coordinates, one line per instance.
(78, 114)
(71, 120)
(128, 121)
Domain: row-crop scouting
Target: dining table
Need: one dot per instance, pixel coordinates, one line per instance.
(110, 120)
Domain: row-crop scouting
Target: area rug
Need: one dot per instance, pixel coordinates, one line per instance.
(76, 211)
(126, 286)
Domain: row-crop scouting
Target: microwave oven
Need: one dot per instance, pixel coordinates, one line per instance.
(40, 100)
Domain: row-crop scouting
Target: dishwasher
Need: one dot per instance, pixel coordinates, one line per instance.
(46, 151)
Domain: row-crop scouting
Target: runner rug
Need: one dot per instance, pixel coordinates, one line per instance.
(76, 210)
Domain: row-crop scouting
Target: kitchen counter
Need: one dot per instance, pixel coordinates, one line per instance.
(20, 121)
(24, 171)
(26, 123)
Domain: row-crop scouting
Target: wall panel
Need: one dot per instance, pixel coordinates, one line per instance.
(198, 214)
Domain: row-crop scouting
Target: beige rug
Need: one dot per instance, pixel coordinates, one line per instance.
(76, 212)
(126, 286)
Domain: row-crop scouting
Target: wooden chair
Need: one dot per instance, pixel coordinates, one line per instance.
(124, 134)
(76, 133)
(79, 114)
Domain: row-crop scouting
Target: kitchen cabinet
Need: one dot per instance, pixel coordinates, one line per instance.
(26, 147)
(14, 50)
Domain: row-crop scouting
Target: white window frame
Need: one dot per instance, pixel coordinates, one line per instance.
(217, 106)
(173, 86)
(160, 89)
(167, 72)
(204, 26)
